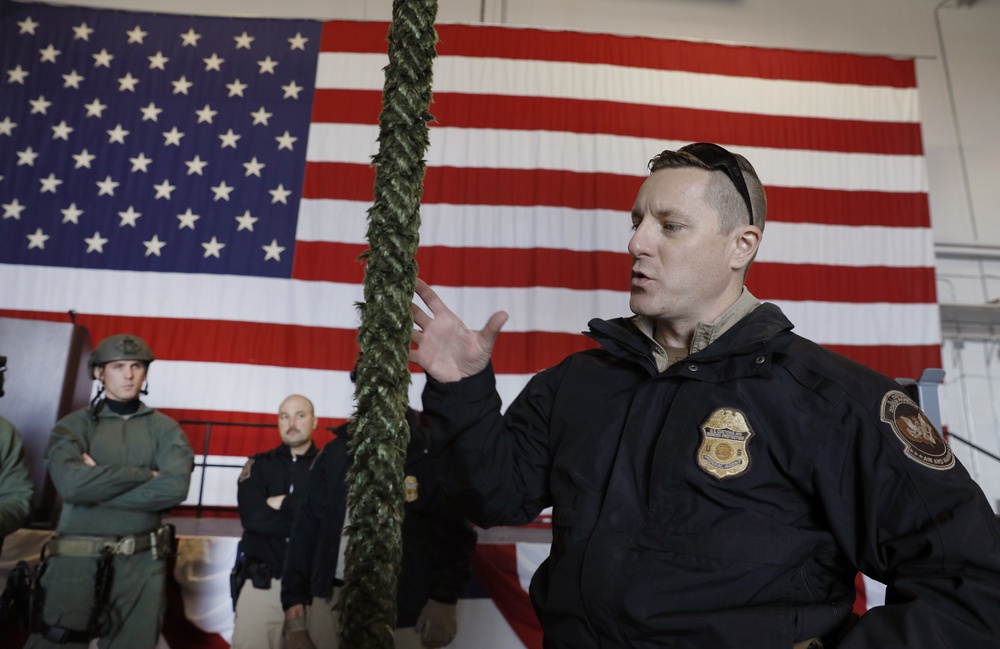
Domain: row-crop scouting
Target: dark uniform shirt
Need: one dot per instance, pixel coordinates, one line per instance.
(119, 496)
(437, 541)
(265, 529)
(730, 500)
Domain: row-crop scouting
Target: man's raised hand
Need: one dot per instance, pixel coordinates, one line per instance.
(445, 348)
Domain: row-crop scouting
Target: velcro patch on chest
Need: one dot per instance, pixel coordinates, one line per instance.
(724, 451)
(921, 441)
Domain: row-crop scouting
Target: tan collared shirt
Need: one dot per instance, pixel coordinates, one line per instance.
(704, 333)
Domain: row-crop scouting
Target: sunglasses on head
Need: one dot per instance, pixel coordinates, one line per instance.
(715, 156)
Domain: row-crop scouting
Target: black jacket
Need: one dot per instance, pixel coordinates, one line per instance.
(437, 541)
(730, 500)
(266, 530)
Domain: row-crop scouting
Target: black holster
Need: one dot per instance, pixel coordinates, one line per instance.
(16, 596)
(260, 574)
(99, 620)
(237, 577)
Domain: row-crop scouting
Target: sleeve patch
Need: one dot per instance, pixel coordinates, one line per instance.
(246, 470)
(921, 441)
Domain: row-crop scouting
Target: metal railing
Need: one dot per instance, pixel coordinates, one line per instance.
(205, 464)
(974, 447)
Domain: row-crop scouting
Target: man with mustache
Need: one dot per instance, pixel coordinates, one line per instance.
(717, 481)
(271, 488)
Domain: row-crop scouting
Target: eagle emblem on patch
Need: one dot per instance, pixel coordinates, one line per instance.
(921, 441)
(412, 488)
(724, 437)
(245, 473)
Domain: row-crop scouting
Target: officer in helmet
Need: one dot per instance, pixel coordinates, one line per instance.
(117, 464)
(126, 352)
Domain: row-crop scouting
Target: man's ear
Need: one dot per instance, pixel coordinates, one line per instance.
(98, 373)
(746, 241)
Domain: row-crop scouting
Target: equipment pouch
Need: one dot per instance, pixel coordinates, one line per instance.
(162, 542)
(237, 577)
(260, 575)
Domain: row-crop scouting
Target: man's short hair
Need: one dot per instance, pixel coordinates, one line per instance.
(720, 192)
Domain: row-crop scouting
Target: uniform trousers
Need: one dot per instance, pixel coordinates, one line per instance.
(137, 602)
(323, 623)
(260, 620)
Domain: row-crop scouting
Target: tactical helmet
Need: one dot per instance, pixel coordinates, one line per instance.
(120, 347)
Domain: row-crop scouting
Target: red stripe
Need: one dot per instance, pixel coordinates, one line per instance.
(344, 106)
(597, 270)
(334, 349)
(636, 52)
(865, 284)
(319, 348)
(227, 437)
(222, 341)
(861, 600)
(496, 567)
(466, 186)
(531, 351)
(634, 120)
(834, 207)
(895, 361)
(584, 191)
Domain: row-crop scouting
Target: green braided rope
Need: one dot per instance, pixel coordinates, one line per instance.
(379, 434)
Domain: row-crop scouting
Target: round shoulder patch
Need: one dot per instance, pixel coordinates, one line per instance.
(245, 473)
(921, 441)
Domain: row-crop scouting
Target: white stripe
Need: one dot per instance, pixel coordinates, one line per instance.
(236, 387)
(859, 246)
(844, 323)
(323, 304)
(476, 226)
(840, 323)
(556, 228)
(621, 155)
(180, 295)
(603, 82)
(529, 557)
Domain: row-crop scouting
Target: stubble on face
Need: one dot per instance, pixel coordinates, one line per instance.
(681, 272)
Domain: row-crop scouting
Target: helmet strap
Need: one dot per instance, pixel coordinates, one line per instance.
(97, 403)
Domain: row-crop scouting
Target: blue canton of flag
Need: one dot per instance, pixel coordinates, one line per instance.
(152, 142)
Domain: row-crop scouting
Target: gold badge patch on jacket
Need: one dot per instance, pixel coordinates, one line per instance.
(412, 488)
(921, 441)
(723, 452)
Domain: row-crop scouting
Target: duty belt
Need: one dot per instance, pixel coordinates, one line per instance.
(92, 546)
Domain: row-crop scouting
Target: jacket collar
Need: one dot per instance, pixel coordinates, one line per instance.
(754, 331)
(108, 413)
(284, 451)
(704, 333)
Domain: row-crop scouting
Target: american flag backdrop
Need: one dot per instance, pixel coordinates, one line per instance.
(203, 183)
